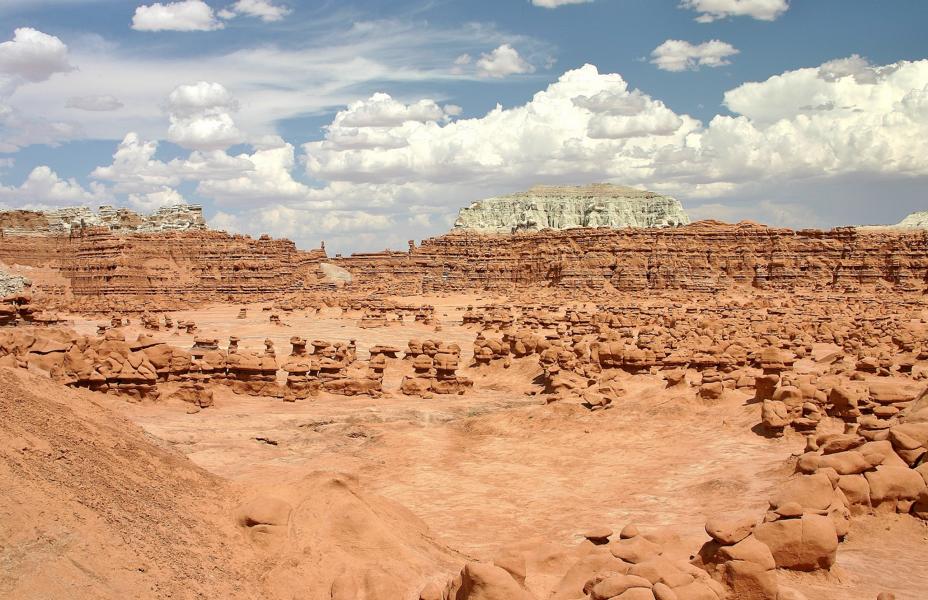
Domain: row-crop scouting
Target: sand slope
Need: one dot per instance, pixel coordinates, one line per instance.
(92, 507)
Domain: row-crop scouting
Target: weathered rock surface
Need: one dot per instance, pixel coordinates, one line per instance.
(706, 256)
(561, 207)
(179, 217)
(12, 284)
(916, 220)
(100, 264)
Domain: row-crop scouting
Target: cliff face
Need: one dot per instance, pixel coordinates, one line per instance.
(115, 253)
(99, 264)
(181, 217)
(705, 256)
(558, 207)
(184, 265)
(201, 265)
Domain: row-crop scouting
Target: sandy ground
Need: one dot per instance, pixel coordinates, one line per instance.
(498, 466)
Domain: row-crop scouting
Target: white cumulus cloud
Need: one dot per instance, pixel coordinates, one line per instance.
(381, 110)
(31, 56)
(136, 169)
(713, 10)
(201, 116)
(590, 126)
(152, 201)
(501, 62)
(270, 179)
(389, 170)
(187, 15)
(680, 55)
(43, 187)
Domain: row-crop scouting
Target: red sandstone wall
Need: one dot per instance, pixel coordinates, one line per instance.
(195, 265)
(706, 256)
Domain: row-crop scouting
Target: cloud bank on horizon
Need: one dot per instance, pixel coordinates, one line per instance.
(390, 146)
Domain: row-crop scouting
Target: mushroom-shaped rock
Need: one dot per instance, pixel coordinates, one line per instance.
(423, 362)
(629, 531)
(598, 535)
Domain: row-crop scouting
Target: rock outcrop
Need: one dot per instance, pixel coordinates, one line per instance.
(180, 217)
(12, 284)
(917, 220)
(560, 207)
(706, 256)
(103, 266)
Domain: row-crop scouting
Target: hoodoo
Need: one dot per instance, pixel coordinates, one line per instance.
(514, 368)
(568, 207)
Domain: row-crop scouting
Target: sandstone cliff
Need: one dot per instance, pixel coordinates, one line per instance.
(182, 265)
(706, 256)
(561, 207)
(166, 258)
(180, 217)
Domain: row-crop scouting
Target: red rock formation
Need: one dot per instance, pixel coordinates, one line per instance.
(178, 266)
(706, 256)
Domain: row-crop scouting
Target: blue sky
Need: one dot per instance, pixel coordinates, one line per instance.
(368, 123)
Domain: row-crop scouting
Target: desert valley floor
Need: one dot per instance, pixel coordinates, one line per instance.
(501, 469)
(700, 412)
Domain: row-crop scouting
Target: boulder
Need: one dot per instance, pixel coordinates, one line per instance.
(804, 544)
(750, 581)
(809, 491)
(889, 485)
(774, 414)
(727, 530)
(635, 550)
(617, 584)
(849, 462)
(750, 549)
(479, 581)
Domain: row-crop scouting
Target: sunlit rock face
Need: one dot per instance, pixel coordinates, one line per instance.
(917, 220)
(567, 207)
(11, 284)
(179, 217)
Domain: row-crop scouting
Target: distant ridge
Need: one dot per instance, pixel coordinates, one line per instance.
(916, 220)
(178, 217)
(568, 207)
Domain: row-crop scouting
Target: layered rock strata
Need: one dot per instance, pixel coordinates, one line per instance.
(189, 265)
(707, 256)
(560, 207)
